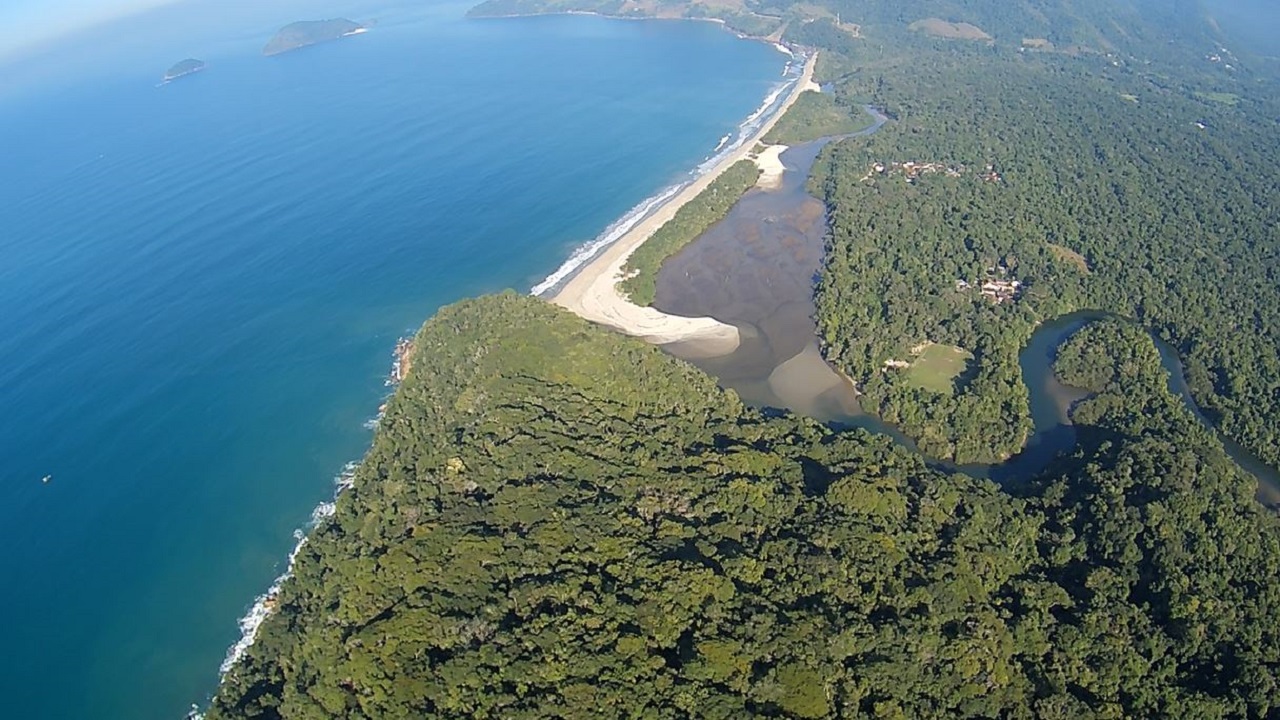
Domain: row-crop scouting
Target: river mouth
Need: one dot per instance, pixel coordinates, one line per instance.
(756, 269)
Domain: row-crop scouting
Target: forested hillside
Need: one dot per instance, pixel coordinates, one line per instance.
(1088, 26)
(1136, 185)
(1112, 155)
(555, 521)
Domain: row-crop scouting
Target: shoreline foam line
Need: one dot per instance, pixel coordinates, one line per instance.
(584, 253)
(592, 293)
(264, 604)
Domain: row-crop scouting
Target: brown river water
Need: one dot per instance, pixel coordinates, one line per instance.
(756, 269)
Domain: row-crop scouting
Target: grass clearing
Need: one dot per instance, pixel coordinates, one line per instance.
(937, 368)
(1220, 98)
(1071, 257)
(937, 27)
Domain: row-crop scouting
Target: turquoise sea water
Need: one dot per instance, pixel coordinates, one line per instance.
(200, 286)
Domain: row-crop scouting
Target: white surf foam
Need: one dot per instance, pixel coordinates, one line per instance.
(585, 253)
(747, 128)
(265, 604)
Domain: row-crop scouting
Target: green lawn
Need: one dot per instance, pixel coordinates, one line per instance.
(1221, 98)
(937, 367)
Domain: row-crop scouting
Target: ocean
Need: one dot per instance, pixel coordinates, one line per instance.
(201, 285)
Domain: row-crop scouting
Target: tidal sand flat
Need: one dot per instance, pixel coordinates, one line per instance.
(593, 292)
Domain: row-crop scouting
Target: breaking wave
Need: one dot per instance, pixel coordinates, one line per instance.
(265, 603)
(585, 253)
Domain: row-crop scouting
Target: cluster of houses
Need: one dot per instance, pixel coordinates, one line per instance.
(1223, 58)
(911, 171)
(996, 287)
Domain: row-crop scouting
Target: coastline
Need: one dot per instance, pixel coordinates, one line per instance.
(594, 13)
(264, 604)
(592, 292)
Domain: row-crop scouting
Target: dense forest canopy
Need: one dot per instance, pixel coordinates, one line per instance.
(1126, 156)
(1138, 181)
(555, 521)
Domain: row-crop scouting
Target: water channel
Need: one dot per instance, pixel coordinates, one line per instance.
(756, 269)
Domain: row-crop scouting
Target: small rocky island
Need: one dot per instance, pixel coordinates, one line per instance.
(190, 66)
(309, 32)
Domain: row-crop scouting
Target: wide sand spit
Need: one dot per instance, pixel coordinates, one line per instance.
(593, 292)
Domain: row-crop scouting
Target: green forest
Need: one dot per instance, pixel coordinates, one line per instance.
(815, 115)
(1096, 181)
(1110, 155)
(555, 521)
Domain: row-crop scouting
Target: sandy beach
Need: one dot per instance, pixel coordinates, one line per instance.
(769, 160)
(593, 293)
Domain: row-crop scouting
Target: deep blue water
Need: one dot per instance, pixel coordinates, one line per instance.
(200, 286)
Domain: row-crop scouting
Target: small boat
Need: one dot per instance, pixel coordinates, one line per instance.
(46, 479)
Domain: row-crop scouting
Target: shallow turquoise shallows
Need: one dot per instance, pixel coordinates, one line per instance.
(201, 285)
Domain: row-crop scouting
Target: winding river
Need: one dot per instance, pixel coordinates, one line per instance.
(1051, 403)
(756, 270)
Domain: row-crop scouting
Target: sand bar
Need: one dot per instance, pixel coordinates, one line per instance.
(593, 292)
(769, 160)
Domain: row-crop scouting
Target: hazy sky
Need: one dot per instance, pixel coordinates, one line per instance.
(30, 22)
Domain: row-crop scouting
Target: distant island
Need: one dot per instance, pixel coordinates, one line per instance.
(309, 32)
(190, 66)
